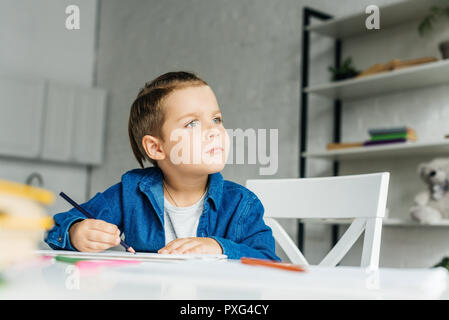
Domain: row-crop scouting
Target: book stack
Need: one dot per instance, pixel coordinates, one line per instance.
(390, 135)
(23, 220)
(379, 136)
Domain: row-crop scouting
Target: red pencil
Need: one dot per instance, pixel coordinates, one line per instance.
(271, 264)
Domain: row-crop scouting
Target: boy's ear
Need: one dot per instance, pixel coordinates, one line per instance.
(153, 147)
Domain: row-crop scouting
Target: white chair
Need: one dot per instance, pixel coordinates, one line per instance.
(362, 197)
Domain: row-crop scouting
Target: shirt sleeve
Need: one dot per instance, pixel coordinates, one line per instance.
(255, 237)
(105, 206)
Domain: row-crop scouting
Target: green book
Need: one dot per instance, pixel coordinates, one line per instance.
(2, 280)
(389, 136)
(68, 259)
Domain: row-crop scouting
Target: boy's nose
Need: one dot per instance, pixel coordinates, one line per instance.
(212, 133)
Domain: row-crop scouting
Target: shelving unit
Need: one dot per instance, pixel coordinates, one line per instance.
(420, 76)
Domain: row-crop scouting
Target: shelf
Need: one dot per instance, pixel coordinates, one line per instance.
(391, 15)
(388, 222)
(395, 150)
(429, 74)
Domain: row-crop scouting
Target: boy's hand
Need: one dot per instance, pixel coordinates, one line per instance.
(192, 245)
(92, 235)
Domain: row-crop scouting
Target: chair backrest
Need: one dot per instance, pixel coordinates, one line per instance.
(362, 197)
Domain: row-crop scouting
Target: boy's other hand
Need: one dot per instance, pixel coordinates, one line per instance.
(192, 245)
(92, 235)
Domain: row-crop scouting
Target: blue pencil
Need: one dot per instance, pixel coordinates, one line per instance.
(87, 214)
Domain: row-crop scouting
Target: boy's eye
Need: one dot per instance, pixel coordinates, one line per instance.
(191, 123)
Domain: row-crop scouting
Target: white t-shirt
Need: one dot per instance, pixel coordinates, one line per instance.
(182, 222)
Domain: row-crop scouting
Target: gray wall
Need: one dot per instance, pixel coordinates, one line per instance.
(35, 42)
(247, 53)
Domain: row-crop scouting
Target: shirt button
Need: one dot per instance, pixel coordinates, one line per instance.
(60, 239)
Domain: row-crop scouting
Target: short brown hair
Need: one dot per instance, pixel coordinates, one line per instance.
(147, 115)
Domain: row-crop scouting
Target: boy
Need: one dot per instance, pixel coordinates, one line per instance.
(181, 204)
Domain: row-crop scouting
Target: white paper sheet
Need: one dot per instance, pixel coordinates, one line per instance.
(111, 254)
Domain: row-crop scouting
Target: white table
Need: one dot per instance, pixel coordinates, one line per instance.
(219, 280)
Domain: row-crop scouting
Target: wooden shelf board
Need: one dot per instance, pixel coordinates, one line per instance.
(420, 76)
(386, 222)
(391, 15)
(395, 150)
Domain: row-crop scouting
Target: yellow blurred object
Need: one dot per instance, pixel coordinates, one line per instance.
(23, 220)
(23, 223)
(38, 194)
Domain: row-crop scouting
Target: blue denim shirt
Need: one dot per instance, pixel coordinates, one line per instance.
(232, 215)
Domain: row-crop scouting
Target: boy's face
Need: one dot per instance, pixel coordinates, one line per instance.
(195, 138)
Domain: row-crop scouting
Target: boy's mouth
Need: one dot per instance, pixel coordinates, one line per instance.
(215, 150)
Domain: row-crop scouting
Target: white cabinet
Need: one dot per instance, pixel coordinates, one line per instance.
(57, 135)
(89, 126)
(52, 121)
(74, 124)
(21, 110)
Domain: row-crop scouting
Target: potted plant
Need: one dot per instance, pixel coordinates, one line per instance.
(427, 23)
(443, 263)
(345, 71)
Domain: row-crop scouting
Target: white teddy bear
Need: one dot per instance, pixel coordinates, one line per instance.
(433, 205)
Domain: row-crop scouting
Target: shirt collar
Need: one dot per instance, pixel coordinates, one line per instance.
(151, 185)
(215, 191)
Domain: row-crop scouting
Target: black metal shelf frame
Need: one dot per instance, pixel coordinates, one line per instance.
(308, 14)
